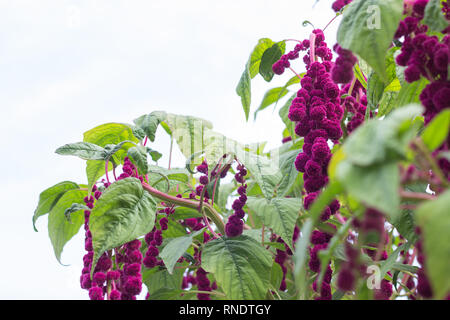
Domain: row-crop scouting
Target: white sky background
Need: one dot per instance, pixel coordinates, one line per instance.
(68, 66)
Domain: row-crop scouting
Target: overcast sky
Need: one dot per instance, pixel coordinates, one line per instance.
(68, 66)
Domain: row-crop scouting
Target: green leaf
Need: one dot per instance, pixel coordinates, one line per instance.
(387, 103)
(49, 197)
(84, 150)
(288, 171)
(434, 17)
(367, 29)
(188, 132)
(280, 214)
(376, 186)
(138, 155)
(110, 133)
(434, 220)
(60, 230)
(409, 93)
(150, 122)
(270, 97)
(380, 141)
(124, 212)
(390, 261)
(175, 249)
(244, 90)
(265, 171)
(241, 266)
(154, 154)
(158, 279)
(256, 55)
(437, 130)
(359, 75)
(269, 57)
(111, 149)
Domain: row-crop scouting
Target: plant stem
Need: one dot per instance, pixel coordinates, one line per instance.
(193, 204)
(170, 152)
(312, 47)
(416, 195)
(106, 170)
(337, 15)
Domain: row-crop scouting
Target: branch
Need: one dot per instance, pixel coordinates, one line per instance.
(193, 204)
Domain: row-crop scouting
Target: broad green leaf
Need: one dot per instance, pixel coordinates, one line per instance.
(367, 29)
(379, 141)
(171, 294)
(243, 88)
(60, 230)
(138, 132)
(188, 132)
(158, 279)
(280, 214)
(376, 185)
(256, 55)
(387, 103)
(269, 57)
(112, 149)
(138, 155)
(84, 150)
(433, 218)
(150, 122)
(265, 171)
(434, 17)
(124, 212)
(376, 87)
(110, 133)
(175, 249)
(256, 234)
(437, 130)
(270, 97)
(409, 93)
(288, 171)
(49, 197)
(241, 266)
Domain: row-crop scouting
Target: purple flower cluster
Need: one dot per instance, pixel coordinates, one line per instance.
(282, 255)
(235, 224)
(96, 285)
(123, 278)
(349, 270)
(320, 241)
(342, 71)
(357, 109)
(321, 50)
(426, 56)
(339, 4)
(317, 113)
(203, 284)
